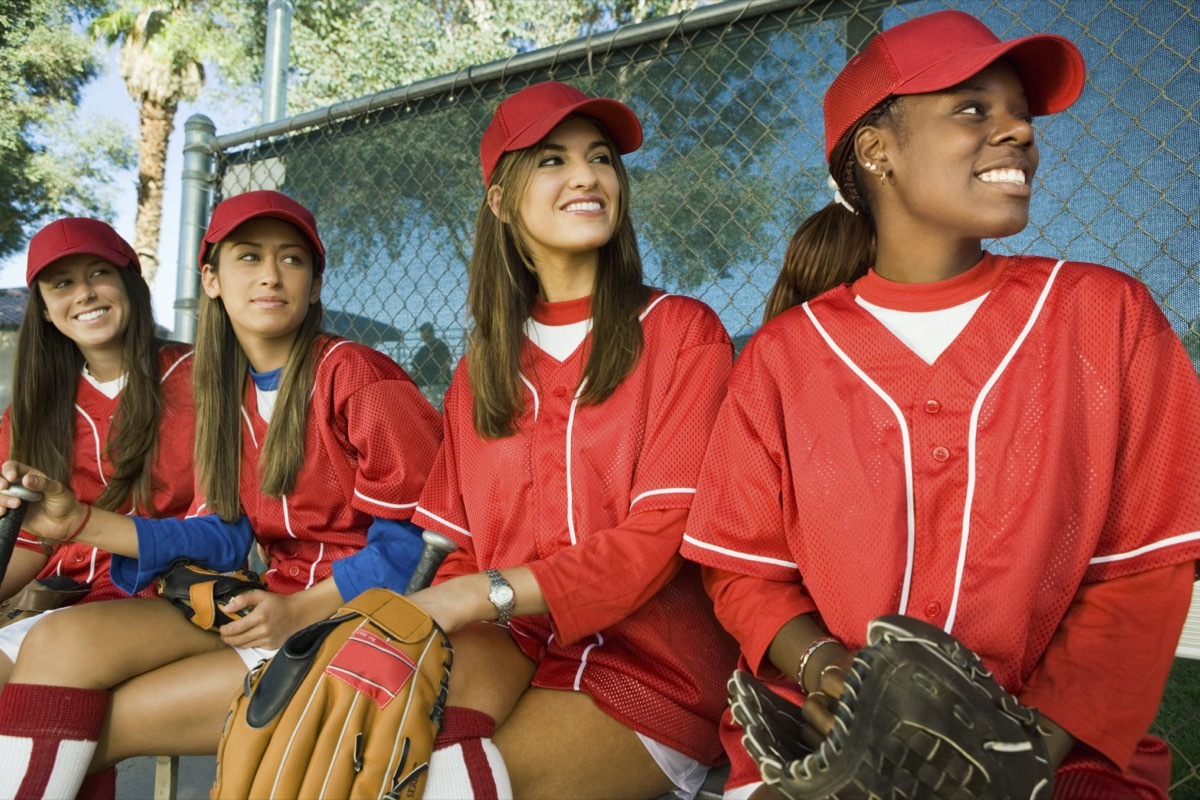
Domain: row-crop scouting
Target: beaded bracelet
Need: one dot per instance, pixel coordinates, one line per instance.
(86, 516)
(812, 648)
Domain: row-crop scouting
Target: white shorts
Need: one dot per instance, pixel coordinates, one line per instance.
(742, 792)
(685, 772)
(12, 635)
(252, 655)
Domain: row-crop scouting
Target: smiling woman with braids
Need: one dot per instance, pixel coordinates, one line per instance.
(1004, 446)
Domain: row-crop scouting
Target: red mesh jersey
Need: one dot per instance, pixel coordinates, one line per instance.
(371, 439)
(562, 496)
(1053, 445)
(173, 477)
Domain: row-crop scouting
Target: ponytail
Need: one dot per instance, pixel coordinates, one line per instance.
(834, 245)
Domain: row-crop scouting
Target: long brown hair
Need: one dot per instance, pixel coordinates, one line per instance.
(46, 374)
(502, 287)
(220, 376)
(833, 246)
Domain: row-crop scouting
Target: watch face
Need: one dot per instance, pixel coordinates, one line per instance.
(502, 595)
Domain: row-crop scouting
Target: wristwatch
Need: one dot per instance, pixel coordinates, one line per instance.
(501, 595)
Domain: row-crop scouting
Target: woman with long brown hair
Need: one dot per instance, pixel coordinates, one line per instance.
(1003, 446)
(99, 403)
(311, 446)
(574, 430)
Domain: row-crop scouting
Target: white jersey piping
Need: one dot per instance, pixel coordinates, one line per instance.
(583, 660)
(1147, 548)
(652, 492)
(536, 403)
(779, 562)
(446, 522)
(96, 439)
(908, 468)
(362, 496)
(960, 568)
(570, 427)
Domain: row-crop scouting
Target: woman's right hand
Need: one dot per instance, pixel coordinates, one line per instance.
(56, 516)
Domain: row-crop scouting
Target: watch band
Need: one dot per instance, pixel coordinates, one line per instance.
(501, 595)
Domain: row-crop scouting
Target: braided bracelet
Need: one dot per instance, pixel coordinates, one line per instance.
(812, 648)
(86, 516)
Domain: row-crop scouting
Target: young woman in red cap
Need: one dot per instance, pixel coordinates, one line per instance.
(574, 430)
(99, 402)
(1003, 446)
(312, 446)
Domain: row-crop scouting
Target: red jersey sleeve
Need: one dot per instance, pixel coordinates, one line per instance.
(640, 556)
(737, 522)
(754, 610)
(441, 506)
(391, 429)
(1104, 649)
(1154, 511)
(683, 405)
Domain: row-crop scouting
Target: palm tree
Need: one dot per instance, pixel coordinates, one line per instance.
(160, 62)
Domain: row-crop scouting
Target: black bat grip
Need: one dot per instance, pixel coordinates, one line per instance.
(10, 524)
(437, 547)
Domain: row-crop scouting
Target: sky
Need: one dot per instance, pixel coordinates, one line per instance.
(106, 96)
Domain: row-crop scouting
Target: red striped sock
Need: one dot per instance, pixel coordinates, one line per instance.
(47, 737)
(465, 763)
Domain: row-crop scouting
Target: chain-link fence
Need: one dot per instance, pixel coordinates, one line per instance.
(730, 96)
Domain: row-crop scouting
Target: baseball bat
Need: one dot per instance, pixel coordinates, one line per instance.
(10, 523)
(436, 548)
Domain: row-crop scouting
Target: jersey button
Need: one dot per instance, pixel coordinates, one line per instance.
(932, 406)
(940, 454)
(79, 558)
(294, 571)
(560, 391)
(932, 609)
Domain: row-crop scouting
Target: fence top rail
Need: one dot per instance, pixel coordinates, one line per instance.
(655, 30)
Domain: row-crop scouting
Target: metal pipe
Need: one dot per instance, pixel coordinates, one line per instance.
(199, 136)
(275, 65)
(627, 36)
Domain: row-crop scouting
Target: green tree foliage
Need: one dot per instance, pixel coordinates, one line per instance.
(51, 163)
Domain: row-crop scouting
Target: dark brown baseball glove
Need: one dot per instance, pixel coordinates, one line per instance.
(919, 717)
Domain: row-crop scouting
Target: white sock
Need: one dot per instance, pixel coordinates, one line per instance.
(469, 770)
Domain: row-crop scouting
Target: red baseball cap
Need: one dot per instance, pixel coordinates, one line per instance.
(940, 50)
(525, 118)
(240, 208)
(72, 235)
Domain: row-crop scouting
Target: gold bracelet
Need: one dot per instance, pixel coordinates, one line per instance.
(812, 648)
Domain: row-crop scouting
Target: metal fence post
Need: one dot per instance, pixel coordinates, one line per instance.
(275, 66)
(198, 168)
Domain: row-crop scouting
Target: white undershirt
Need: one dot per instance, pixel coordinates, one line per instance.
(926, 333)
(109, 389)
(266, 402)
(557, 340)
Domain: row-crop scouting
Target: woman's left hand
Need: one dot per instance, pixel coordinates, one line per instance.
(275, 617)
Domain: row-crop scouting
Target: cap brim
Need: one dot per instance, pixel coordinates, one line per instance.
(114, 257)
(618, 121)
(1051, 68)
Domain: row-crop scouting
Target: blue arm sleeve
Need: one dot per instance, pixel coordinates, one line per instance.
(207, 540)
(392, 550)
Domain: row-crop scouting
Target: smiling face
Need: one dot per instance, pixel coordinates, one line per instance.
(960, 162)
(265, 279)
(86, 300)
(571, 204)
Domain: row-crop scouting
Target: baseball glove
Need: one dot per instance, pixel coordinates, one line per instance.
(348, 708)
(920, 717)
(201, 593)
